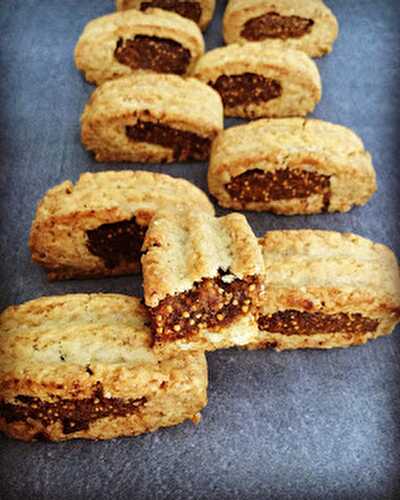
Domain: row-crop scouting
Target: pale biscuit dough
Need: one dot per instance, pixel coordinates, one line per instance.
(181, 249)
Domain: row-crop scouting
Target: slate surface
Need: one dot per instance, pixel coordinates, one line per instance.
(300, 425)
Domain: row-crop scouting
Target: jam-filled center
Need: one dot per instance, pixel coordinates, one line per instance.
(185, 145)
(293, 322)
(191, 10)
(151, 52)
(248, 88)
(273, 25)
(74, 414)
(212, 303)
(282, 184)
(117, 243)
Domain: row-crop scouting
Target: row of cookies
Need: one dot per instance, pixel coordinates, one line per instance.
(148, 118)
(254, 79)
(101, 366)
(165, 119)
(109, 223)
(307, 25)
(97, 226)
(287, 166)
(106, 224)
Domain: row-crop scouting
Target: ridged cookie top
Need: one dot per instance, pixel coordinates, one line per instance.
(133, 18)
(185, 104)
(79, 329)
(286, 140)
(257, 57)
(327, 259)
(128, 191)
(182, 249)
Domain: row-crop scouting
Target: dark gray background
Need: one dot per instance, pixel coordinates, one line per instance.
(292, 425)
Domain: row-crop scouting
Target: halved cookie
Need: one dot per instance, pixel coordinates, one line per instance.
(152, 118)
(307, 25)
(326, 289)
(199, 11)
(290, 166)
(82, 366)
(202, 281)
(96, 227)
(256, 81)
(125, 42)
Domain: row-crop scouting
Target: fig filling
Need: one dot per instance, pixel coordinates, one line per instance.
(151, 52)
(282, 184)
(191, 10)
(74, 414)
(212, 303)
(248, 88)
(185, 145)
(117, 243)
(293, 322)
(273, 25)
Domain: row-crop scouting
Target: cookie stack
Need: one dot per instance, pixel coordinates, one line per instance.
(99, 366)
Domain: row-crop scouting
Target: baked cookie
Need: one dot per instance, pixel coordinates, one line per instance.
(152, 118)
(199, 11)
(290, 166)
(257, 81)
(326, 289)
(122, 43)
(82, 366)
(202, 281)
(306, 25)
(96, 227)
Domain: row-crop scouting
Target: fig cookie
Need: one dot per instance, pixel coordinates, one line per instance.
(82, 366)
(326, 289)
(151, 118)
(96, 227)
(290, 166)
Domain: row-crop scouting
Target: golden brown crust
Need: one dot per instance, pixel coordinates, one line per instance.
(94, 52)
(293, 144)
(59, 238)
(207, 8)
(295, 73)
(185, 105)
(328, 273)
(316, 42)
(61, 348)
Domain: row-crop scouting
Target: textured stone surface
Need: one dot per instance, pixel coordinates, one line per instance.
(301, 425)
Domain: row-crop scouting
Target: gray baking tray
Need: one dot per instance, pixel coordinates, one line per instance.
(292, 425)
